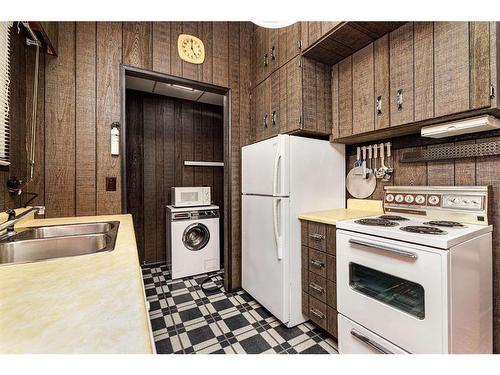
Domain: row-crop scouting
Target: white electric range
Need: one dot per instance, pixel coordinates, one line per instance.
(417, 279)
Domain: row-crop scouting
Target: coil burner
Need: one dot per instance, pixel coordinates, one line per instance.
(422, 229)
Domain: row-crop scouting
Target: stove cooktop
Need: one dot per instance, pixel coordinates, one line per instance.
(393, 217)
(418, 230)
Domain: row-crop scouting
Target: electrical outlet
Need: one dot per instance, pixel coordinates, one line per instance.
(110, 183)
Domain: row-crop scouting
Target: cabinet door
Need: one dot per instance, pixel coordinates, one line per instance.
(274, 49)
(451, 67)
(345, 97)
(363, 100)
(480, 74)
(294, 94)
(274, 103)
(424, 70)
(381, 81)
(401, 74)
(261, 59)
(262, 110)
(292, 41)
(316, 96)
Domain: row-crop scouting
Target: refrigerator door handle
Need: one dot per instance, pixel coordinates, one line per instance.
(276, 177)
(277, 237)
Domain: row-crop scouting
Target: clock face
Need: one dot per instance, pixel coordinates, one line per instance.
(191, 49)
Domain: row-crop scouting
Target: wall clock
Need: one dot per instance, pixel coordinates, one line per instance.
(191, 49)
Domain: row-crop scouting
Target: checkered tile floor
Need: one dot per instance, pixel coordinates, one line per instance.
(186, 320)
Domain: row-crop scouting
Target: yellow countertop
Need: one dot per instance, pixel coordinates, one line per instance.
(84, 304)
(356, 208)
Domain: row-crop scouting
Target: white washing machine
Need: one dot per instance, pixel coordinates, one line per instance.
(193, 245)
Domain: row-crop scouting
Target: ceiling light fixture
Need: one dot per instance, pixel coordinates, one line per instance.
(182, 87)
(273, 24)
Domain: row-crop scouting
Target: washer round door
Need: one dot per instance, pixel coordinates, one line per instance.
(196, 236)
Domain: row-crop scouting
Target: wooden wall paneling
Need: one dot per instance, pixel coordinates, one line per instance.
(451, 67)
(363, 116)
(109, 55)
(170, 139)
(207, 66)
(135, 165)
(149, 177)
(221, 56)
(175, 60)
(293, 93)
(160, 126)
(309, 92)
(187, 129)
(314, 31)
(246, 135)
(345, 97)
(401, 74)
(465, 169)
(198, 144)
(424, 70)
(440, 172)
(479, 64)
(60, 132)
(37, 185)
(207, 127)
(137, 44)
(494, 65)
(413, 174)
(161, 47)
(381, 80)
(218, 195)
(335, 101)
(178, 142)
(85, 107)
(234, 84)
(191, 71)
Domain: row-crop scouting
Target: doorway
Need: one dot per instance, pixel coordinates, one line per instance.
(168, 126)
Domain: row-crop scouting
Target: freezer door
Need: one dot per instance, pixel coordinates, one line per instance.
(264, 252)
(265, 167)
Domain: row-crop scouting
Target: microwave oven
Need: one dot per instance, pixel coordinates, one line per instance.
(191, 196)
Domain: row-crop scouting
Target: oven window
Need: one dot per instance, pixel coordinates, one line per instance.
(401, 294)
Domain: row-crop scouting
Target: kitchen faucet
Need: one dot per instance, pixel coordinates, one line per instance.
(7, 227)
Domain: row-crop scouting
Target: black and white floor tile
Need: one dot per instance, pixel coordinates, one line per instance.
(187, 320)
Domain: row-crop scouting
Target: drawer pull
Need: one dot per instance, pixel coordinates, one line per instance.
(317, 288)
(318, 313)
(386, 248)
(317, 263)
(372, 344)
(317, 236)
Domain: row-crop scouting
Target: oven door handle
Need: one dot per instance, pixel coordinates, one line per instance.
(390, 249)
(372, 344)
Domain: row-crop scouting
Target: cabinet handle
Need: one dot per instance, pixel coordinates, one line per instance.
(374, 345)
(273, 118)
(317, 236)
(317, 288)
(492, 92)
(318, 313)
(399, 99)
(317, 263)
(265, 59)
(273, 53)
(265, 120)
(378, 105)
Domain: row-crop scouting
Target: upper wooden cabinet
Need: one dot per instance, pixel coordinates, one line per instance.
(420, 73)
(296, 98)
(273, 48)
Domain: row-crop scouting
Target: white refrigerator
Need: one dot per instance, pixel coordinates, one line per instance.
(281, 178)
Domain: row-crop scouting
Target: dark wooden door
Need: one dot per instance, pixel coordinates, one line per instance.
(363, 100)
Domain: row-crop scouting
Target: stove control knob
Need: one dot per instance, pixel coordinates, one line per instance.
(399, 198)
(389, 198)
(452, 201)
(419, 199)
(409, 198)
(466, 201)
(433, 200)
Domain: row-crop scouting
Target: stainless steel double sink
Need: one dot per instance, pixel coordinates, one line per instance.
(58, 241)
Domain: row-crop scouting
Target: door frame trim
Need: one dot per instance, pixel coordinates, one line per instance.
(127, 70)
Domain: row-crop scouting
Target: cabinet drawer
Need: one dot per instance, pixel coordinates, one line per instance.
(331, 294)
(332, 327)
(317, 262)
(331, 268)
(318, 312)
(331, 239)
(305, 304)
(317, 286)
(305, 268)
(316, 236)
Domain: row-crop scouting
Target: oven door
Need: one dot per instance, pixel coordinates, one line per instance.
(395, 289)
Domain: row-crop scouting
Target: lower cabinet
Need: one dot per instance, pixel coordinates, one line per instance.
(319, 287)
